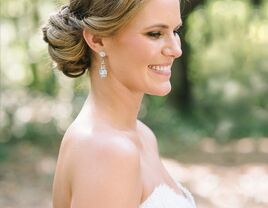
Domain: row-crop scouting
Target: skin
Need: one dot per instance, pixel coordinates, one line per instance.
(108, 158)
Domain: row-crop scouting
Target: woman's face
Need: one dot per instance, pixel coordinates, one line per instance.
(141, 54)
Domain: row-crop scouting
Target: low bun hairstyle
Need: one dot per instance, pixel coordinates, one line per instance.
(64, 30)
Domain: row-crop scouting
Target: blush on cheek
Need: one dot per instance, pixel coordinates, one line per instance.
(141, 50)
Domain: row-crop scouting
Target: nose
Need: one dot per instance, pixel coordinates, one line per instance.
(173, 47)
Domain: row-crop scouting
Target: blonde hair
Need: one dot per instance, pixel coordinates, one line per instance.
(64, 30)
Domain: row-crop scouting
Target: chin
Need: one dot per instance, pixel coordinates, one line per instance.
(161, 90)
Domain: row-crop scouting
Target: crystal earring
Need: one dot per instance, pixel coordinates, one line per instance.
(102, 70)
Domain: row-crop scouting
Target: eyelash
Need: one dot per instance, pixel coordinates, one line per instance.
(154, 35)
(157, 35)
(178, 31)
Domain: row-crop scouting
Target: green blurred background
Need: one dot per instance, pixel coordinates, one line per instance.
(220, 84)
(220, 87)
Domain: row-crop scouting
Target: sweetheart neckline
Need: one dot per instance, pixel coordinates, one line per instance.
(183, 195)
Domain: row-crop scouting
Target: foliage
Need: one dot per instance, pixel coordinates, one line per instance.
(29, 89)
(228, 65)
(229, 68)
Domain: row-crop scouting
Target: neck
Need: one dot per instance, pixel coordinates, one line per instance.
(114, 104)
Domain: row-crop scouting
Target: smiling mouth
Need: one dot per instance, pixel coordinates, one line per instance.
(160, 68)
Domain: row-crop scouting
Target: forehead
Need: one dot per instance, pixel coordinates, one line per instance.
(158, 11)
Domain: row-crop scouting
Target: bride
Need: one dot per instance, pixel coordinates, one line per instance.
(108, 158)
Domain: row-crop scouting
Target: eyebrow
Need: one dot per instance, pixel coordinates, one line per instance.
(164, 26)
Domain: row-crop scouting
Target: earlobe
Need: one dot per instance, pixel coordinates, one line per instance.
(93, 41)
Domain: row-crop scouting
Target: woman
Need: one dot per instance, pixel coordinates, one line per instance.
(108, 158)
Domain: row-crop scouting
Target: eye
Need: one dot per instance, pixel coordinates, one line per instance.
(154, 35)
(178, 31)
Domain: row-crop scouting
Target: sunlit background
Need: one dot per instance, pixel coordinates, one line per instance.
(212, 128)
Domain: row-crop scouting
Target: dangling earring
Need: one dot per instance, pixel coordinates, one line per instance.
(102, 70)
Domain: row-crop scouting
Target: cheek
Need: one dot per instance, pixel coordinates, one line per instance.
(136, 50)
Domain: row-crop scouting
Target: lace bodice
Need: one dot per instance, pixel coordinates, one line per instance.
(164, 196)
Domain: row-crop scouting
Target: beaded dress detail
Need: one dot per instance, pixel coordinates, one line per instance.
(165, 197)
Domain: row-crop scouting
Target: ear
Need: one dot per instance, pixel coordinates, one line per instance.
(93, 41)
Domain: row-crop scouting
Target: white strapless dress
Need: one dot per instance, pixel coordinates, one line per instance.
(164, 196)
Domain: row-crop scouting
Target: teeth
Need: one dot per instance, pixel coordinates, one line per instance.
(159, 68)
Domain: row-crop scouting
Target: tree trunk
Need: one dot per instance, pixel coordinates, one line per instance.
(256, 2)
(181, 95)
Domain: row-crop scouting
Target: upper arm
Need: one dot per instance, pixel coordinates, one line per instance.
(61, 186)
(106, 175)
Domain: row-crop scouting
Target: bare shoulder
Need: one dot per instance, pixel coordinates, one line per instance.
(104, 169)
(62, 179)
(148, 134)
